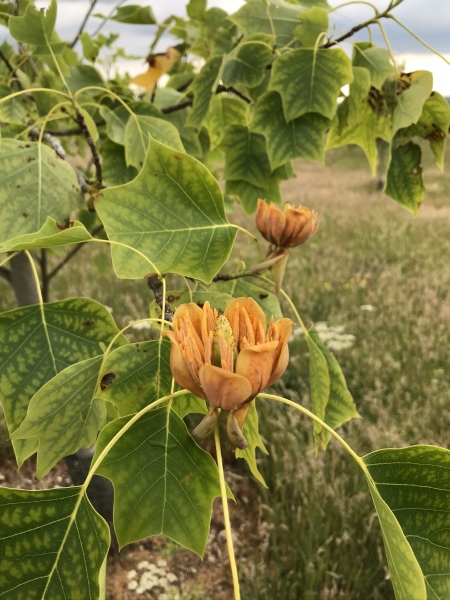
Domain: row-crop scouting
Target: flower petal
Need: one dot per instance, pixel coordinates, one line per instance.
(222, 388)
(180, 371)
(256, 364)
(251, 306)
(281, 365)
(193, 311)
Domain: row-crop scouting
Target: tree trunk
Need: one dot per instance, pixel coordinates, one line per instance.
(100, 491)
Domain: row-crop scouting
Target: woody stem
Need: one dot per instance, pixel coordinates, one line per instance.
(226, 516)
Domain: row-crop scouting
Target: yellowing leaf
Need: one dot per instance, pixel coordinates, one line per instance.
(158, 64)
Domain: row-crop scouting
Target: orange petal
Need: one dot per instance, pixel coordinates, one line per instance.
(251, 306)
(260, 218)
(148, 79)
(241, 414)
(256, 364)
(281, 365)
(180, 371)
(222, 388)
(193, 311)
(275, 222)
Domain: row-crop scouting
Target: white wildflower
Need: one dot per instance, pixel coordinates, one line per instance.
(367, 307)
(131, 574)
(132, 585)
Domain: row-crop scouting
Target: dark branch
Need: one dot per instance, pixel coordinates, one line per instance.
(83, 24)
(156, 285)
(222, 88)
(44, 273)
(184, 86)
(11, 69)
(75, 130)
(95, 156)
(171, 109)
(227, 277)
(189, 101)
(5, 274)
(71, 254)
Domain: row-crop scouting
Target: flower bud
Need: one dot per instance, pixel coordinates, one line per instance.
(285, 227)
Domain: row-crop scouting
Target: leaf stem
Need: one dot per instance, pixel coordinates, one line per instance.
(418, 38)
(128, 248)
(355, 2)
(312, 416)
(388, 45)
(226, 516)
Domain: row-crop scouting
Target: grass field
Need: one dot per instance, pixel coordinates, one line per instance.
(384, 278)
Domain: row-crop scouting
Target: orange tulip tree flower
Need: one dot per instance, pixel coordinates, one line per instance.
(227, 359)
(158, 64)
(285, 228)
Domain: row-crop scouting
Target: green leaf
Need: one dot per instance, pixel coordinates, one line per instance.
(303, 137)
(404, 177)
(249, 194)
(16, 110)
(258, 16)
(359, 90)
(133, 14)
(320, 386)
(310, 80)
(219, 300)
(114, 167)
(224, 111)
(117, 119)
(56, 335)
(340, 407)
(251, 434)
(246, 156)
(196, 9)
(203, 88)
(363, 131)
(90, 124)
(375, 60)
(189, 135)
(35, 184)
(313, 23)
(64, 414)
(411, 100)
(163, 482)
(136, 375)
(50, 235)
(433, 126)
(140, 130)
(35, 27)
(188, 404)
(246, 66)
(52, 543)
(82, 76)
(411, 500)
(90, 48)
(195, 240)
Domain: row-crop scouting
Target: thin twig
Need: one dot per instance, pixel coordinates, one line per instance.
(157, 287)
(95, 155)
(108, 16)
(175, 107)
(222, 88)
(184, 86)
(189, 101)
(70, 255)
(83, 24)
(44, 275)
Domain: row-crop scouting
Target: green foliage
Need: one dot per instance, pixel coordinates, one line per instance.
(164, 483)
(50, 235)
(139, 130)
(375, 60)
(61, 528)
(136, 215)
(313, 23)
(251, 433)
(36, 184)
(247, 64)
(35, 27)
(133, 14)
(404, 177)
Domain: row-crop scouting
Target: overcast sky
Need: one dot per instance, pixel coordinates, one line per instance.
(429, 20)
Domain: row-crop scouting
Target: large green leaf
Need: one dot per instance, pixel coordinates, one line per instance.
(50, 235)
(404, 177)
(134, 14)
(238, 288)
(340, 407)
(246, 156)
(359, 90)
(362, 131)
(375, 60)
(203, 88)
(273, 16)
(52, 543)
(82, 76)
(251, 434)
(224, 111)
(17, 110)
(140, 130)
(319, 380)
(411, 100)
(411, 497)
(64, 414)
(36, 343)
(246, 66)
(192, 239)
(249, 194)
(163, 482)
(36, 184)
(35, 26)
(136, 375)
(189, 135)
(313, 23)
(433, 126)
(303, 137)
(310, 80)
(117, 119)
(114, 167)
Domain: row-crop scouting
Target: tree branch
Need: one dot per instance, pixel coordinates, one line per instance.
(189, 101)
(175, 107)
(75, 130)
(222, 88)
(5, 274)
(95, 156)
(83, 24)
(108, 16)
(155, 284)
(71, 254)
